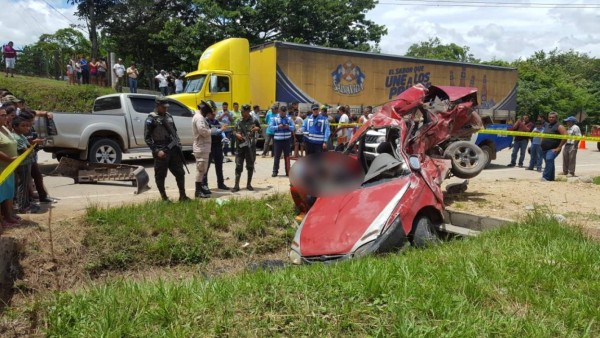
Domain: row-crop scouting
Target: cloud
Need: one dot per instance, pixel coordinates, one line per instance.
(29, 19)
(501, 33)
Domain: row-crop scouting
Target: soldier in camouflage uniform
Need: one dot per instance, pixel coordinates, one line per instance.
(245, 131)
(160, 135)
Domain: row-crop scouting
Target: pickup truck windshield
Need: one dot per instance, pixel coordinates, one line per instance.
(194, 84)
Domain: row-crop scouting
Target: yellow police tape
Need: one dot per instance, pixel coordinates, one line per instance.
(14, 164)
(529, 134)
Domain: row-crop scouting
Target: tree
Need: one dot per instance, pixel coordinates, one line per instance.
(96, 14)
(434, 49)
(330, 23)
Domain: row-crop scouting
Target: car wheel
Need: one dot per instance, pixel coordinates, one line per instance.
(424, 232)
(487, 150)
(105, 151)
(468, 160)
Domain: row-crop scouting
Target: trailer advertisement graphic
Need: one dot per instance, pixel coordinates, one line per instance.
(399, 79)
(348, 78)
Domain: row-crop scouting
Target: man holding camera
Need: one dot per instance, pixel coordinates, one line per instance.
(245, 131)
(161, 137)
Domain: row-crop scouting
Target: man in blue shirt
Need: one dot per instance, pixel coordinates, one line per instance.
(268, 133)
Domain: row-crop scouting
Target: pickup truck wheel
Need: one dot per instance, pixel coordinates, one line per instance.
(487, 150)
(468, 160)
(105, 151)
(424, 233)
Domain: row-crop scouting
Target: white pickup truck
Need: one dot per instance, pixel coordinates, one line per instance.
(115, 126)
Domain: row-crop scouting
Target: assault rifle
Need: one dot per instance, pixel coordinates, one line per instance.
(175, 143)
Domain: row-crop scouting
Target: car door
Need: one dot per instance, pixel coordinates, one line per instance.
(140, 108)
(182, 116)
(219, 89)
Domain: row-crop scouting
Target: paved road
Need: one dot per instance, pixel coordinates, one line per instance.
(76, 197)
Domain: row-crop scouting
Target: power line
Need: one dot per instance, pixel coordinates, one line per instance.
(61, 14)
(497, 4)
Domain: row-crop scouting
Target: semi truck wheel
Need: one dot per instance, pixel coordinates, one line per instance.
(468, 160)
(105, 150)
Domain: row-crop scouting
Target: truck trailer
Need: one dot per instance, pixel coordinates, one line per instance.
(283, 72)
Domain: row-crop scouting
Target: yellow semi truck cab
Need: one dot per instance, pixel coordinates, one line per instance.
(222, 75)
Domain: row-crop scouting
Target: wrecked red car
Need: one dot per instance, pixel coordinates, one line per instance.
(398, 199)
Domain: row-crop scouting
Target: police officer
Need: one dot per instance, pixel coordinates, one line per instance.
(217, 134)
(202, 145)
(282, 127)
(316, 131)
(160, 135)
(245, 131)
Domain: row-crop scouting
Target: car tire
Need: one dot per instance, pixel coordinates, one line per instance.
(105, 151)
(424, 233)
(468, 160)
(488, 152)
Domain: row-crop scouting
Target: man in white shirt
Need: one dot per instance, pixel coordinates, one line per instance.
(570, 148)
(119, 71)
(163, 84)
(343, 132)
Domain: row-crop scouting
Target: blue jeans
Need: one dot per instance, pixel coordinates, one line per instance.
(133, 85)
(535, 157)
(549, 156)
(519, 145)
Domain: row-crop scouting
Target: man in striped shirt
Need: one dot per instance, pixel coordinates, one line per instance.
(282, 128)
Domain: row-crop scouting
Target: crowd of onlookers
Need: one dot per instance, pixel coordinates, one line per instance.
(23, 189)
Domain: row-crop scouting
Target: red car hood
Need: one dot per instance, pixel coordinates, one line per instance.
(335, 224)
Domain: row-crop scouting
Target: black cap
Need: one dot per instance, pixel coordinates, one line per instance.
(161, 100)
(314, 106)
(246, 107)
(283, 108)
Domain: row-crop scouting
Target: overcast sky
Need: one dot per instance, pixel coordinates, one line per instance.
(504, 33)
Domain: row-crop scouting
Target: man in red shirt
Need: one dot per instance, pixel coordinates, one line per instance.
(520, 142)
(10, 57)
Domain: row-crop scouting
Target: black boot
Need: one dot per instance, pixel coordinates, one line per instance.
(181, 185)
(222, 186)
(236, 187)
(205, 190)
(161, 189)
(199, 193)
(249, 184)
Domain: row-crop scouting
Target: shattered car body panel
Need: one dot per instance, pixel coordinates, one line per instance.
(400, 199)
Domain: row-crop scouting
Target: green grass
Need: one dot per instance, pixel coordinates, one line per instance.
(536, 279)
(596, 180)
(156, 233)
(53, 95)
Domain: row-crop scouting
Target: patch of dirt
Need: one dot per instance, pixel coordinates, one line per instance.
(513, 199)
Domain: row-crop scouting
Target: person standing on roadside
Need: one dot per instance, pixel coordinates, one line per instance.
(179, 85)
(520, 142)
(268, 133)
(365, 115)
(316, 131)
(236, 116)
(163, 83)
(571, 146)
(161, 137)
(132, 75)
(298, 135)
(244, 131)
(217, 133)
(282, 127)
(551, 147)
(10, 58)
(536, 148)
(119, 71)
(201, 146)
(226, 117)
(85, 70)
(101, 72)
